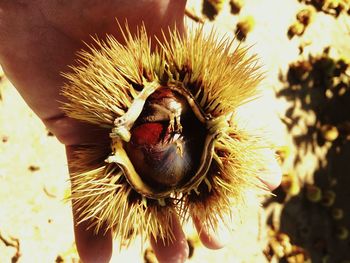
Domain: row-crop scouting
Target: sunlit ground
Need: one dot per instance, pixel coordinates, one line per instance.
(305, 110)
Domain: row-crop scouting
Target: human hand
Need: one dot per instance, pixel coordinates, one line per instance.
(38, 39)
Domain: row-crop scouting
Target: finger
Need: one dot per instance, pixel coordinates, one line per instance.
(91, 246)
(271, 177)
(207, 236)
(175, 251)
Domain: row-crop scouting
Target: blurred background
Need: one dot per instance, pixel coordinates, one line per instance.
(304, 48)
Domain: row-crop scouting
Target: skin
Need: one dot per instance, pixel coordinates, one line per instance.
(38, 39)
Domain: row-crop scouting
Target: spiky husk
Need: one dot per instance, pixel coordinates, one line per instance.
(102, 88)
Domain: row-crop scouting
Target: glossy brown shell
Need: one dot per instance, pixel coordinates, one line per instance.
(135, 148)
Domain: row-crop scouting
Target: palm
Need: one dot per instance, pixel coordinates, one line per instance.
(39, 39)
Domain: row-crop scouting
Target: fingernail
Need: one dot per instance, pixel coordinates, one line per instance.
(224, 234)
(213, 239)
(272, 175)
